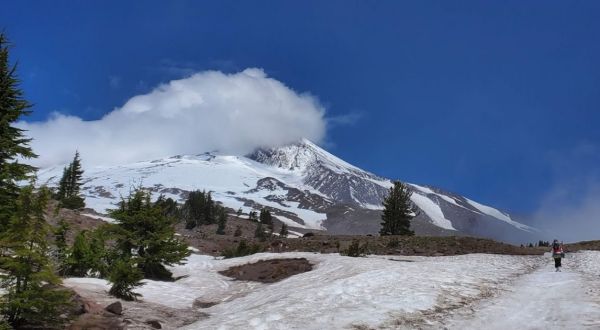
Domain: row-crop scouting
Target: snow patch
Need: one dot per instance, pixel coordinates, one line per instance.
(499, 215)
(99, 217)
(433, 211)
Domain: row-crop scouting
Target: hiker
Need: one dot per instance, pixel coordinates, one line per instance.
(557, 254)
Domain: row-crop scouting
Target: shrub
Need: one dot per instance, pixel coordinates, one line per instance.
(125, 276)
(356, 249)
(243, 249)
(393, 243)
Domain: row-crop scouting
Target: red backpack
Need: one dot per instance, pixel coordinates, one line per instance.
(556, 248)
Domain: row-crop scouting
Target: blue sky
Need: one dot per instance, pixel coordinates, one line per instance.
(496, 100)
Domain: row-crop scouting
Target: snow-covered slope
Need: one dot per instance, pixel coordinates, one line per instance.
(304, 186)
(475, 291)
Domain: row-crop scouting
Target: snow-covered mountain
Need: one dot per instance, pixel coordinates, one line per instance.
(304, 186)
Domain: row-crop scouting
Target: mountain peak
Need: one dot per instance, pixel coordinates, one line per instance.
(300, 156)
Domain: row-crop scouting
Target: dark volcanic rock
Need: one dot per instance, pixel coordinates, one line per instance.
(154, 323)
(115, 308)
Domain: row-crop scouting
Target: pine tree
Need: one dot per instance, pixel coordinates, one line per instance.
(260, 232)
(252, 216)
(222, 216)
(397, 212)
(32, 297)
(143, 228)
(76, 175)
(80, 260)
(284, 231)
(125, 276)
(168, 205)
(62, 185)
(101, 257)
(209, 216)
(13, 143)
(266, 219)
(70, 185)
(62, 249)
(197, 209)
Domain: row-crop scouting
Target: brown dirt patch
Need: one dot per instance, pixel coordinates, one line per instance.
(586, 245)
(268, 271)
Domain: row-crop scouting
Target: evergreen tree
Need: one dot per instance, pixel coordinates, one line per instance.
(32, 297)
(266, 219)
(209, 206)
(62, 249)
(101, 257)
(260, 232)
(13, 143)
(397, 212)
(80, 261)
(252, 216)
(125, 277)
(70, 185)
(222, 221)
(284, 231)
(144, 229)
(199, 209)
(62, 185)
(168, 205)
(76, 175)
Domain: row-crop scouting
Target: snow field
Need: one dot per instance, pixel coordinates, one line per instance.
(337, 293)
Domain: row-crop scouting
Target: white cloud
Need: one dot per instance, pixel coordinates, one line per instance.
(570, 210)
(571, 213)
(233, 113)
(347, 119)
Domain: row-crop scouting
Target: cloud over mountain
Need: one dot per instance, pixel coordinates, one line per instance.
(210, 110)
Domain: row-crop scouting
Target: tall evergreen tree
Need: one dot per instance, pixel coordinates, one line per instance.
(222, 220)
(198, 209)
(144, 229)
(76, 175)
(260, 232)
(80, 260)
(168, 205)
(70, 185)
(62, 184)
(266, 219)
(284, 231)
(13, 143)
(398, 211)
(102, 258)
(209, 206)
(32, 297)
(62, 249)
(252, 216)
